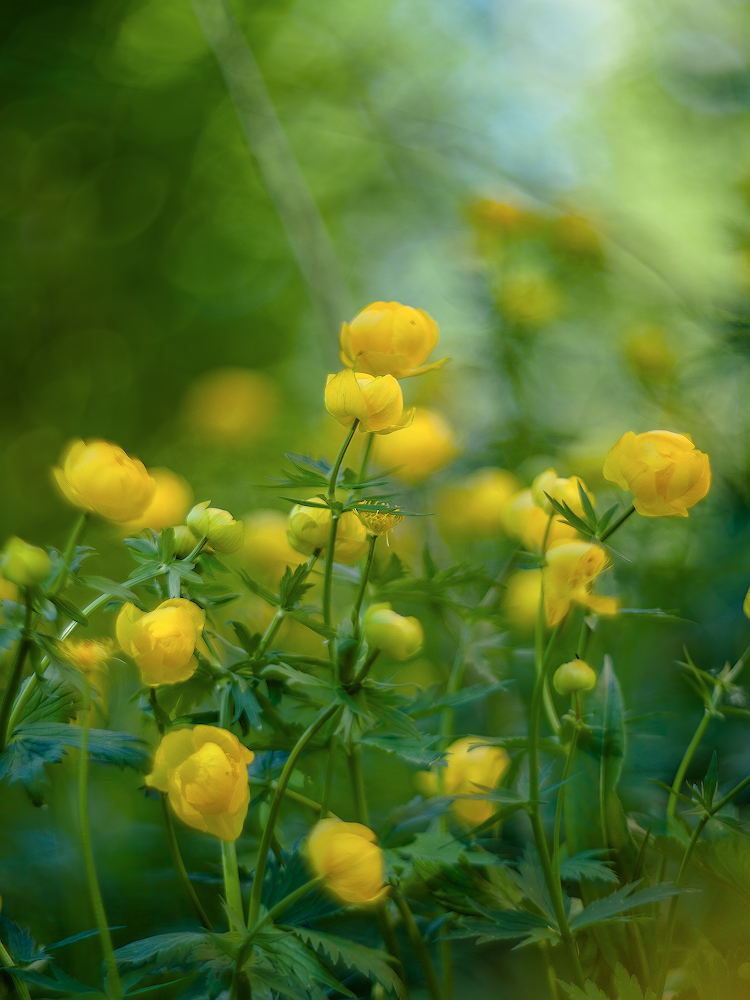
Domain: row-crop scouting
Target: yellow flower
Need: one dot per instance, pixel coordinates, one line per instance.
(162, 642)
(530, 298)
(23, 564)
(378, 522)
(664, 472)
(577, 235)
(170, 503)
(522, 519)
(377, 403)
(90, 656)
(548, 483)
(420, 449)
(346, 855)
(265, 548)
(521, 600)
(99, 477)
(204, 773)
(649, 355)
(232, 405)
(508, 219)
(469, 769)
(217, 526)
(471, 508)
(571, 569)
(8, 592)
(572, 677)
(394, 635)
(308, 529)
(386, 338)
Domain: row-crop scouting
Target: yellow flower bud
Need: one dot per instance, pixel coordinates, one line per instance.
(573, 677)
(217, 526)
(530, 298)
(23, 564)
(649, 355)
(394, 635)
(571, 569)
(308, 529)
(346, 855)
(471, 508)
(170, 503)
(377, 403)
(162, 642)
(469, 769)
(377, 522)
(204, 773)
(265, 549)
(521, 599)
(508, 219)
(99, 477)
(184, 541)
(90, 656)
(420, 449)
(522, 519)
(8, 592)
(386, 338)
(232, 405)
(662, 469)
(548, 483)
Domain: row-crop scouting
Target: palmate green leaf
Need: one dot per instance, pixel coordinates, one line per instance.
(506, 925)
(620, 902)
(587, 865)
(163, 950)
(53, 699)
(62, 982)
(371, 963)
(105, 586)
(723, 860)
(416, 751)
(49, 740)
(181, 698)
(627, 987)
(293, 586)
(528, 876)
(441, 848)
(291, 958)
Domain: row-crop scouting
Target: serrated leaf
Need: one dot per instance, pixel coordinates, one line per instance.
(258, 589)
(293, 586)
(167, 950)
(426, 703)
(587, 865)
(105, 586)
(622, 901)
(371, 963)
(414, 750)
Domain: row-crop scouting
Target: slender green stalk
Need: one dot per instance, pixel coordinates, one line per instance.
(75, 537)
(230, 869)
(339, 459)
(546, 951)
(330, 551)
(446, 964)
(268, 832)
(500, 579)
(366, 458)
(293, 796)
(16, 673)
(7, 963)
(354, 758)
(270, 634)
(561, 793)
(364, 670)
(419, 947)
(328, 786)
(549, 706)
(179, 864)
(114, 986)
(618, 523)
(363, 585)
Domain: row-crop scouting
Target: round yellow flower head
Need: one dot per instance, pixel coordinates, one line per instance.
(571, 569)
(530, 298)
(162, 642)
(521, 599)
(232, 405)
(471, 508)
(387, 338)
(170, 503)
(23, 564)
(99, 477)
(649, 355)
(420, 449)
(378, 522)
(391, 633)
(469, 769)
(217, 526)
(90, 656)
(346, 855)
(570, 678)
(265, 548)
(308, 529)
(548, 483)
(522, 519)
(507, 219)
(204, 773)
(377, 402)
(663, 470)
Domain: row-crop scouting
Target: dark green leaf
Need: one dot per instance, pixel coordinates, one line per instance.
(257, 588)
(69, 609)
(587, 865)
(371, 963)
(622, 901)
(105, 586)
(168, 950)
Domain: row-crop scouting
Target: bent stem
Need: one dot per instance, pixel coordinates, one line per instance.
(114, 986)
(418, 945)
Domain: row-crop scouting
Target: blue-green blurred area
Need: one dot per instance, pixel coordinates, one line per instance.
(140, 251)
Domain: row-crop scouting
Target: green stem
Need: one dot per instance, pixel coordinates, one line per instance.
(7, 963)
(500, 579)
(75, 537)
(270, 633)
(446, 964)
(549, 706)
(339, 459)
(363, 586)
(114, 986)
(16, 673)
(419, 947)
(687, 760)
(232, 888)
(364, 670)
(179, 864)
(354, 758)
(618, 523)
(366, 458)
(328, 574)
(561, 800)
(268, 832)
(328, 786)
(301, 800)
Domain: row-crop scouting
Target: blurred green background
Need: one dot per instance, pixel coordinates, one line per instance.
(140, 252)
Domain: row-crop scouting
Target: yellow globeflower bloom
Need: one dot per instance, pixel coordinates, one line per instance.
(308, 529)
(99, 477)
(393, 634)
(204, 773)
(346, 855)
(419, 450)
(522, 519)
(162, 642)
(548, 483)
(573, 677)
(377, 403)
(377, 522)
(507, 219)
(469, 769)
(232, 405)
(521, 599)
(171, 502)
(649, 355)
(663, 470)
(265, 548)
(23, 564)
(571, 569)
(386, 338)
(217, 526)
(471, 508)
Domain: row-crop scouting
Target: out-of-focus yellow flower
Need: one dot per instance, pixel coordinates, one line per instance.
(170, 503)
(522, 519)
(471, 508)
(378, 522)
(386, 338)
(649, 355)
(217, 526)
(746, 604)
(663, 470)
(530, 298)
(101, 478)
(377, 402)
(162, 642)
(232, 405)
(23, 564)
(419, 450)
(90, 656)
(521, 599)
(469, 769)
(548, 483)
(570, 678)
(265, 548)
(346, 855)
(204, 773)
(571, 569)
(308, 529)
(8, 592)
(393, 634)
(507, 219)
(577, 235)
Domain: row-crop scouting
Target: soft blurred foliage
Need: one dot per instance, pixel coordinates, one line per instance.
(561, 184)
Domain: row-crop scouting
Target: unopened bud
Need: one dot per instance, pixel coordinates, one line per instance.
(573, 677)
(23, 564)
(184, 541)
(396, 636)
(217, 526)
